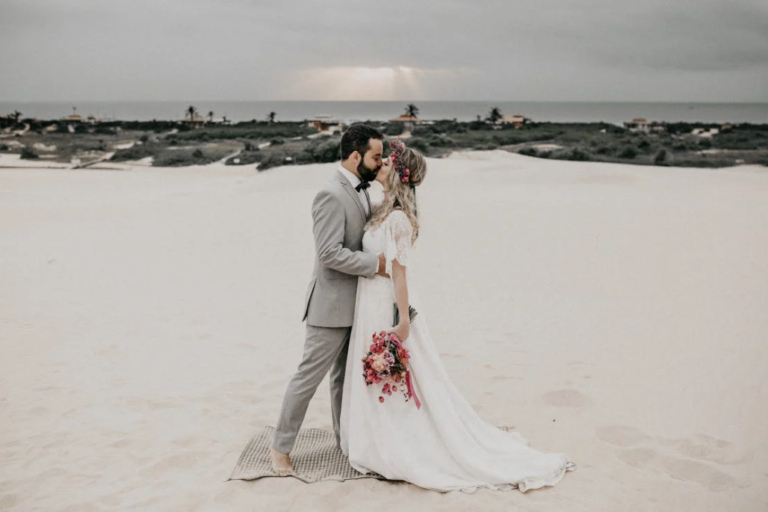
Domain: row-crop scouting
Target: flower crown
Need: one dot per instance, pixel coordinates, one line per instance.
(397, 147)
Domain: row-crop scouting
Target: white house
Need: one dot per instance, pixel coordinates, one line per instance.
(638, 124)
(517, 120)
(324, 123)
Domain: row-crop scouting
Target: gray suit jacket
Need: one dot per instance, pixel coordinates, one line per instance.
(338, 224)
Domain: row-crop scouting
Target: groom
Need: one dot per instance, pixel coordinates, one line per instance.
(339, 213)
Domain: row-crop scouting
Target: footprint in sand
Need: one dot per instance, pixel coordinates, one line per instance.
(504, 378)
(622, 436)
(696, 459)
(38, 411)
(8, 501)
(708, 448)
(172, 463)
(566, 398)
(151, 404)
(125, 442)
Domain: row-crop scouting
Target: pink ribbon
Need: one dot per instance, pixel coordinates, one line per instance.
(411, 390)
(408, 381)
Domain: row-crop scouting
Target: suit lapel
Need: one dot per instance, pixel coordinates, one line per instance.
(353, 193)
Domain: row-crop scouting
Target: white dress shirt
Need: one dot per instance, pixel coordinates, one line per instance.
(355, 181)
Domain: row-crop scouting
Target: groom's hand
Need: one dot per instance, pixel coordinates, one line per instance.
(382, 266)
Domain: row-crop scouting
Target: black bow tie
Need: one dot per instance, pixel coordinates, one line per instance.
(362, 186)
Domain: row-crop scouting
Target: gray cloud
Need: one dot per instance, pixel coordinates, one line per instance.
(485, 49)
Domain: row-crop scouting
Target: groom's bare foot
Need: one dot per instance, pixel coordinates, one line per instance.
(281, 464)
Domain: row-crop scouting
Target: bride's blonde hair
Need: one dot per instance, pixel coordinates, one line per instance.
(401, 195)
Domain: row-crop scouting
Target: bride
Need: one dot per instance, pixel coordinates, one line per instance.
(443, 444)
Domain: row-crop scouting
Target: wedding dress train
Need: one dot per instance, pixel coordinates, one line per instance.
(444, 445)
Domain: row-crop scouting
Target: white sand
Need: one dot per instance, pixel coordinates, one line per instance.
(149, 323)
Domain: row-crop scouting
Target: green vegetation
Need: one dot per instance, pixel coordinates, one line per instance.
(191, 112)
(184, 157)
(28, 154)
(180, 143)
(394, 129)
(246, 157)
(628, 152)
(323, 150)
(602, 142)
(255, 131)
(136, 152)
(576, 155)
(494, 115)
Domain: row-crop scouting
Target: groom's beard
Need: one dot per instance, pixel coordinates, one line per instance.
(366, 173)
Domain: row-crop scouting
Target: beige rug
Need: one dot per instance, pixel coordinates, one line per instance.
(315, 458)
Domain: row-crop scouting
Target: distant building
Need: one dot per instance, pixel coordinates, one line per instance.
(197, 121)
(704, 133)
(408, 121)
(638, 124)
(517, 120)
(324, 123)
(73, 118)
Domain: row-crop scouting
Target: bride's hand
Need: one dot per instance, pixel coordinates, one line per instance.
(382, 270)
(402, 331)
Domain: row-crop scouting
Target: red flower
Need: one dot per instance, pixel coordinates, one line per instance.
(381, 399)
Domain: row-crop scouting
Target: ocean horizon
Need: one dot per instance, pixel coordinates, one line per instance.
(351, 111)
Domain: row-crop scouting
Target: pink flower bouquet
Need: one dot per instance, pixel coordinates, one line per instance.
(387, 361)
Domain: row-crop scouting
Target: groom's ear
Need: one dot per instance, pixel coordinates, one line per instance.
(356, 157)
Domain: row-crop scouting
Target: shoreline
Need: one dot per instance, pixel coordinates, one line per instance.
(614, 112)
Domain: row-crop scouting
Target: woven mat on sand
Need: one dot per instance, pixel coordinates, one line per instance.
(315, 458)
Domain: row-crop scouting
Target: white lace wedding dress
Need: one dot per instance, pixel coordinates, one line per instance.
(444, 445)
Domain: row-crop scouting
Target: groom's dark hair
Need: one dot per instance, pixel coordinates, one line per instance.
(357, 138)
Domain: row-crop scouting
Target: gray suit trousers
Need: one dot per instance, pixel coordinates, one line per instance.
(325, 348)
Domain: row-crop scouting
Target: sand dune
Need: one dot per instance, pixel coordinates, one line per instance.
(149, 323)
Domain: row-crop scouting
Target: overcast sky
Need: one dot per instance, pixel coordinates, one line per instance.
(515, 50)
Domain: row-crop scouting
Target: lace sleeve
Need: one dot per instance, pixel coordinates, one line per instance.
(399, 232)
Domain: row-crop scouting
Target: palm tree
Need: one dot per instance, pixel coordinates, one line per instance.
(191, 112)
(411, 110)
(224, 119)
(210, 115)
(494, 115)
(16, 116)
(271, 117)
